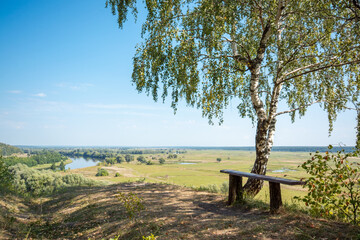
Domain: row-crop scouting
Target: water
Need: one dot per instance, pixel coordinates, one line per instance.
(186, 163)
(81, 163)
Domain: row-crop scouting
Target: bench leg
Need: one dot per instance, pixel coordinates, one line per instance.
(275, 197)
(235, 189)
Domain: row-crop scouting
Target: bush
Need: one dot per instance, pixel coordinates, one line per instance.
(119, 159)
(141, 159)
(129, 158)
(117, 174)
(110, 161)
(102, 172)
(218, 159)
(6, 177)
(333, 188)
(28, 181)
(161, 160)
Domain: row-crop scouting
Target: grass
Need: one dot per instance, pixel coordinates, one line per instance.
(206, 171)
(172, 212)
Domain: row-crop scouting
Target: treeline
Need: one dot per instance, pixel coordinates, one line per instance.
(40, 157)
(7, 150)
(105, 153)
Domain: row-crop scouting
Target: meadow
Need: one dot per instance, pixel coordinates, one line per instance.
(199, 169)
(183, 198)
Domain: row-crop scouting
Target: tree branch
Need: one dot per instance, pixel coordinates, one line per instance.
(316, 69)
(296, 109)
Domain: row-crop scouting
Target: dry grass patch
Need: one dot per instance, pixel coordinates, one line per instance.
(171, 212)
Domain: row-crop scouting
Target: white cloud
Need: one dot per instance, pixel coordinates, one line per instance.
(120, 106)
(39, 95)
(75, 87)
(15, 91)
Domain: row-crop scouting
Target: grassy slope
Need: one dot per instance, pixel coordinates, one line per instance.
(172, 212)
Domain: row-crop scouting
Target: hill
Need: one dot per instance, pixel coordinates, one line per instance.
(7, 150)
(171, 212)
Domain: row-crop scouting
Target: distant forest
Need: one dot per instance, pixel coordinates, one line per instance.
(7, 150)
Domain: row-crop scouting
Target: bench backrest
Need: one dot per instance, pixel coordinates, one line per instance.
(263, 177)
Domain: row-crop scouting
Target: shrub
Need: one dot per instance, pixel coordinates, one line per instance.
(28, 181)
(6, 177)
(129, 158)
(62, 166)
(150, 237)
(102, 172)
(117, 174)
(161, 160)
(132, 203)
(110, 161)
(53, 167)
(333, 188)
(218, 159)
(119, 159)
(141, 159)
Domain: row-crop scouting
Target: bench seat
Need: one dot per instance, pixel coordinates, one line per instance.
(236, 189)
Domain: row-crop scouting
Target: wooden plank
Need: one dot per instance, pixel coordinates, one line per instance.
(235, 189)
(275, 197)
(263, 177)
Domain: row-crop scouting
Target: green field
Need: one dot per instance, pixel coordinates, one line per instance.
(206, 170)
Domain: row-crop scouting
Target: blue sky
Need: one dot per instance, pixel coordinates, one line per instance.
(65, 79)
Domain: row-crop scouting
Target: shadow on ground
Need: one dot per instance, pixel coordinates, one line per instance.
(171, 212)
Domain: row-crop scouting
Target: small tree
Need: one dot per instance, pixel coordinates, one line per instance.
(110, 161)
(161, 160)
(6, 177)
(129, 158)
(141, 159)
(119, 159)
(258, 52)
(53, 167)
(102, 172)
(62, 166)
(218, 159)
(333, 187)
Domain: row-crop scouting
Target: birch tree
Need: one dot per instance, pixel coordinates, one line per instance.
(255, 53)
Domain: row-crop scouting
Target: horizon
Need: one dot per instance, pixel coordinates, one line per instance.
(65, 79)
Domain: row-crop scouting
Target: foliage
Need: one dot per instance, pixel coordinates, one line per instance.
(6, 150)
(62, 166)
(132, 203)
(129, 158)
(119, 159)
(110, 160)
(218, 159)
(333, 188)
(161, 160)
(150, 237)
(259, 53)
(42, 157)
(141, 159)
(29, 181)
(53, 167)
(170, 156)
(102, 172)
(6, 177)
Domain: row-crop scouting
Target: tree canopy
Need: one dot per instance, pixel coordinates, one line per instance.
(255, 52)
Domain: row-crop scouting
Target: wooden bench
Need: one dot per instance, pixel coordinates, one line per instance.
(236, 189)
